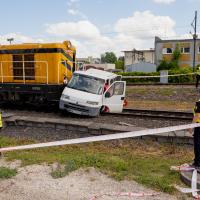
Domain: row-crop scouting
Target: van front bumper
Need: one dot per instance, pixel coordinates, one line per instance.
(79, 109)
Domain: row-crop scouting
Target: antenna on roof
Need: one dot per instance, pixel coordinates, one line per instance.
(10, 40)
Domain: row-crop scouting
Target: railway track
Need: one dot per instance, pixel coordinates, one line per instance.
(160, 84)
(158, 114)
(129, 113)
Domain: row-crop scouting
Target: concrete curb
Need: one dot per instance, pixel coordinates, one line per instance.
(91, 128)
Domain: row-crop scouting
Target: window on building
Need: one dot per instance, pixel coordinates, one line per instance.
(185, 50)
(167, 51)
(26, 61)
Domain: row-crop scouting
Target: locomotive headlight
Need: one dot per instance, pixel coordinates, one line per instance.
(92, 103)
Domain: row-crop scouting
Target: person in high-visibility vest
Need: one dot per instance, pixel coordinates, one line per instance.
(196, 136)
(1, 122)
(197, 76)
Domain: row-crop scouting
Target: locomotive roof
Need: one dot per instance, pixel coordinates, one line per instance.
(38, 46)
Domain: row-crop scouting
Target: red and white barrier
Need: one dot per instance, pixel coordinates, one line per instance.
(193, 188)
(182, 168)
(103, 137)
(172, 75)
(125, 194)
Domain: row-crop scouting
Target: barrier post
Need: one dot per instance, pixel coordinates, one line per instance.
(164, 76)
(24, 78)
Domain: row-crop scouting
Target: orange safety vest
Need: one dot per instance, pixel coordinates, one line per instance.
(198, 71)
(1, 123)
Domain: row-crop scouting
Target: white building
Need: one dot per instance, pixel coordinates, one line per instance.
(90, 62)
(105, 66)
(140, 61)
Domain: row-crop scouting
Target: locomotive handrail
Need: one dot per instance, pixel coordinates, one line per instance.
(64, 61)
(23, 68)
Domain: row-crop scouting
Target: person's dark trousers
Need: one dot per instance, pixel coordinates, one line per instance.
(197, 146)
(197, 80)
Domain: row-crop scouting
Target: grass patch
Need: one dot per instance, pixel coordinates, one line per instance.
(70, 166)
(160, 105)
(140, 91)
(146, 91)
(146, 162)
(6, 173)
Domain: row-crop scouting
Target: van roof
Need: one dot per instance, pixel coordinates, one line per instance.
(98, 73)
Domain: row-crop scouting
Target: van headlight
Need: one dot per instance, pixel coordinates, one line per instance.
(92, 103)
(65, 96)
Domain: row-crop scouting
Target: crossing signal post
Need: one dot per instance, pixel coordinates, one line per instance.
(195, 36)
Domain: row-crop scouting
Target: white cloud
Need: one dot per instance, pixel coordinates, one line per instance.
(137, 31)
(18, 38)
(145, 24)
(73, 1)
(72, 12)
(76, 12)
(81, 29)
(164, 1)
(74, 9)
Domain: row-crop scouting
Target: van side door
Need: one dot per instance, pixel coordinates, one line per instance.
(114, 97)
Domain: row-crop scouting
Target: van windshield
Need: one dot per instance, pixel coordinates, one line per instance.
(86, 83)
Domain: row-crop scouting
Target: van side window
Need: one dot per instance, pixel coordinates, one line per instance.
(119, 88)
(116, 89)
(118, 78)
(111, 81)
(111, 91)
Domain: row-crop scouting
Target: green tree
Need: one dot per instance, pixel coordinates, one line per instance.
(176, 57)
(164, 65)
(173, 64)
(108, 57)
(121, 58)
(119, 64)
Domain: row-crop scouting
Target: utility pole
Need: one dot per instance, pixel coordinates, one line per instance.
(195, 36)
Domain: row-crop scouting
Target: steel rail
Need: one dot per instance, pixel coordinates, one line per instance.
(176, 115)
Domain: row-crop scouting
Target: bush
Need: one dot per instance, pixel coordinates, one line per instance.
(173, 64)
(181, 79)
(141, 80)
(174, 79)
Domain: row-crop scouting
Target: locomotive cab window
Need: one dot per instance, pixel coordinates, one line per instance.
(29, 65)
(18, 67)
(26, 62)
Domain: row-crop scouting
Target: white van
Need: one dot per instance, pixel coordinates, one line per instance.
(86, 94)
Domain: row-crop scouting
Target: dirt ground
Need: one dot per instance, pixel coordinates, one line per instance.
(180, 97)
(35, 182)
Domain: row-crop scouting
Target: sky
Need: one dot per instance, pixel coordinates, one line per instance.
(97, 26)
